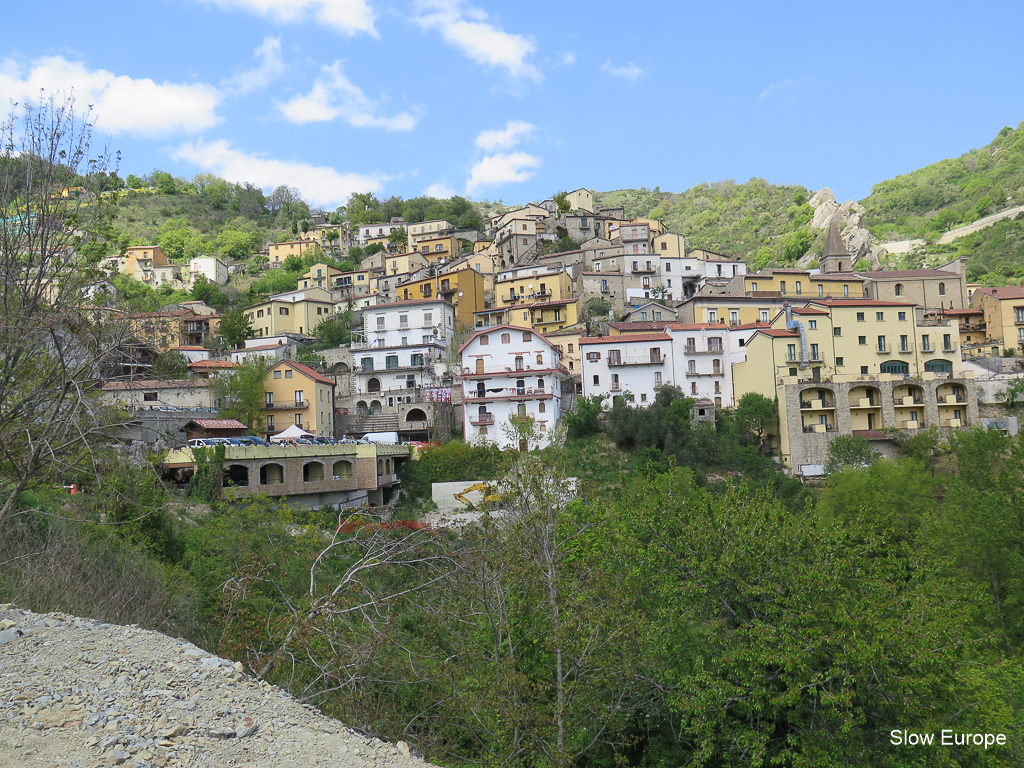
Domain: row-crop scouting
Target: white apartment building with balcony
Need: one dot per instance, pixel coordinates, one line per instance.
(510, 373)
(403, 345)
(697, 358)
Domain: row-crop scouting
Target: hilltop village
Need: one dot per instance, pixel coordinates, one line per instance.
(473, 330)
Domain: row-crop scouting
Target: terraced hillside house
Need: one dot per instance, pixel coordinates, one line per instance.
(856, 366)
(296, 312)
(294, 393)
(1003, 316)
(510, 375)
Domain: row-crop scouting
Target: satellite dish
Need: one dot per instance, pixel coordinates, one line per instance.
(460, 294)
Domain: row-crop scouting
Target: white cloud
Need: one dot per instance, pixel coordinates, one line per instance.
(495, 170)
(775, 88)
(321, 184)
(334, 96)
(350, 17)
(629, 71)
(270, 66)
(466, 28)
(439, 190)
(568, 58)
(504, 138)
(120, 103)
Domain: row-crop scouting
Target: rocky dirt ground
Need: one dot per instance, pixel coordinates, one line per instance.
(78, 693)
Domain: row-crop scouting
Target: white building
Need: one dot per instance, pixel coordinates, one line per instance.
(633, 366)
(697, 358)
(214, 270)
(510, 373)
(366, 232)
(403, 345)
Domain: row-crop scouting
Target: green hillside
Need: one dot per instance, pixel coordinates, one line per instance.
(940, 196)
(760, 222)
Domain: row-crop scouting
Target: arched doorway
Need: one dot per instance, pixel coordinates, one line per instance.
(376, 406)
(373, 384)
(236, 474)
(416, 414)
(362, 408)
(271, 474)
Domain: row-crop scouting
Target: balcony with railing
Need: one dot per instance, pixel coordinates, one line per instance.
(712, 349)
(652, 359)
(883, 349)
(481, 419)
(905, 349)
(283, 405)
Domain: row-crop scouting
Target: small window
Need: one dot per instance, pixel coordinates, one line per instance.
(880, 317)
(527, 336)
(149, 397)
(862, 340)
(837, 331)
(287, 373)
(839, 361)
(284, 310)
(812, 325)
(597, 380)
(860, 317)
(484, 340)
(540, 359)
(643, 397)
(863, 369)
(277, 374)
(942, 289)
(570, 349)
(506, 338)
(901, 315)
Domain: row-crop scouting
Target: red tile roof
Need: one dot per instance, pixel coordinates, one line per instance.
(114, 386)
(778, 333)
(306, 370)
(212, 364)
(218, 423)
(1003, 291)
(862, 303)
(631, 337)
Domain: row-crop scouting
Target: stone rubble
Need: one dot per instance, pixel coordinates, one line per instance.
(78, 693)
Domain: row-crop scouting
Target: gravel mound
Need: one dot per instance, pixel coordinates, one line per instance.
(78, 693)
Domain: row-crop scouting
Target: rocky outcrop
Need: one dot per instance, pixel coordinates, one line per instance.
(849, 218)
(79, 693)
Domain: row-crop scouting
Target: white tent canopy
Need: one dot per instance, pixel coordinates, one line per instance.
(293, 432)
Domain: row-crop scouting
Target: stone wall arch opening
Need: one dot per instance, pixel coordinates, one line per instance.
(236, 475)
(376, 406)
(416, 414)
(271, 474)
(362, 408)
(312, 472)
(373, 384)
(342, 469)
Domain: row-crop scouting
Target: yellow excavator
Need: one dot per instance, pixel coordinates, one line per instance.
(483, 488)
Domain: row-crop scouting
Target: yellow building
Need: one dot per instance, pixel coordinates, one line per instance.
(550, 316)
(796, 284)
(731, 309)
(319, 276)
(294, 312)
(464, 289)
(567, 344)
(427, 229)
(1003, 309)
(395, 263)
(530, 285)
(278, 252)
(435, 248)
(172, 329)
(855, 366)
(296, 394)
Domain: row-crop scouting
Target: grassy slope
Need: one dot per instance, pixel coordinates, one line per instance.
(956, 191)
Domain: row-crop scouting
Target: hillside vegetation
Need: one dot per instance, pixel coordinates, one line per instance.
(940, 196)
(763, 223)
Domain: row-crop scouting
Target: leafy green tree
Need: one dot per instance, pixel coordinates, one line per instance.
(584, 420)
(563, 206)
(239, 391)
(205, 291)
(239, 239)
(164, 183)
(235, 327)
(1012, 395)
(134, 182)
(335, 331)
(849, 451)
(757, 415)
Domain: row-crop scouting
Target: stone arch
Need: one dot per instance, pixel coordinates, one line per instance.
(380, 466)
(342, 468)
(362, 408)
(373, 384)
(236, 474)
(271, 473)
(312, 471)
(376, 406)
(416, 414)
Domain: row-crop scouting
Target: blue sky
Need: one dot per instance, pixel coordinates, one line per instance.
(516, 101)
